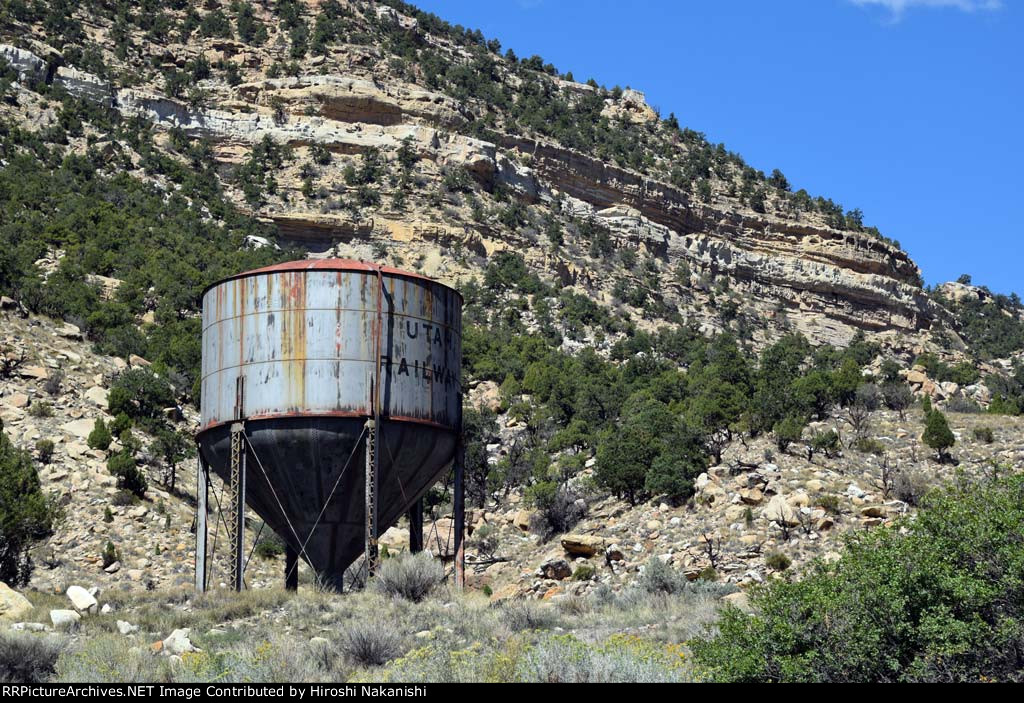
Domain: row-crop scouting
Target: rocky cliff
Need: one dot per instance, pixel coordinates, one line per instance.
(707, 244)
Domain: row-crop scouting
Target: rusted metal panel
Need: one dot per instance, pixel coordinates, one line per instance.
(302, 336)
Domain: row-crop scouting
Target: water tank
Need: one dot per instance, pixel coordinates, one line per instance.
(292, 351)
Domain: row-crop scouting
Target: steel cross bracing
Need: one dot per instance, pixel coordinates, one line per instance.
(236, 507)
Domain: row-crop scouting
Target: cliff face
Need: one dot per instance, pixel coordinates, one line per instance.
(776, 269)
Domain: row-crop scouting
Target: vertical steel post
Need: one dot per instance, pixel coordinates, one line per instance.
(202, 495)
(236, 507)
(416, 527)
(371, 498)
(291, 569)
(460, 515)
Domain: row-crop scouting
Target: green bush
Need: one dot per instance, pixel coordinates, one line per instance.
(121, 423)
(40, 409)
(100, 437)
(28, 658)
(584, 572)
(368, 643)
(26, 514)
(110, 554)
(526, 616)
(828, 501)
(44, 448)
(659, 577)
(869, 445)
(984, 434)
(123, 466)
(788, 431)
(410, 576)
(141, 395)
(910, 486)
(270, 546)
(937, 434)
(941, 601)
(778, 561)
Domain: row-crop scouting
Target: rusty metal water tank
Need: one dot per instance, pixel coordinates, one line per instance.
(292, 350)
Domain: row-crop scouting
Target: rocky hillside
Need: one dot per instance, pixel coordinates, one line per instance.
(372, 130)
(147, 151)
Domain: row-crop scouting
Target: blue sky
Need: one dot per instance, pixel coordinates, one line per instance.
(908, 109)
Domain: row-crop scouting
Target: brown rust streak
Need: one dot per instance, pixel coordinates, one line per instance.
(293, 341)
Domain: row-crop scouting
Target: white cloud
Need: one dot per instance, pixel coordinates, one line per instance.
(898, 7)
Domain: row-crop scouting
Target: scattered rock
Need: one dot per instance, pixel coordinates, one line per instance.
(738, 600)
(78, 428)
(177, 643)
(778, 510)
(752, 496)
(83, 601)
(614, 553)
(522, 520)
(17, 400)
(97, 396)
(507, 592)
(65, 619)
(39, 373)
(13, 605)
(583, 545)
(126, 628)
(555, 568)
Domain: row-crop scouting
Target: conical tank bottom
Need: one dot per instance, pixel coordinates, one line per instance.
(296, 462)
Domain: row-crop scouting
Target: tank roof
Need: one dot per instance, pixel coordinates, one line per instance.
(327, 265)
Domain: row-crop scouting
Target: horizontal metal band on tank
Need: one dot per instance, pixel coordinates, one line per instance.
(347, 414)
(386, 314)
(384, 364)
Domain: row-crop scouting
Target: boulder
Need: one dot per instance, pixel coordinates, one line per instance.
(78, 428)
(487, 395)
(873, 511)
(522, 520)
(69, 331)
(752, 496)
(556, 568)
(916, 376)
(13, 605)
(97, 396)
(83, 601)
(799, 500)
(779, 511)
(507, 592)
(17, 400)
(177, 643)
(64, 619)
(583, 545)
(738, 600)
(614, 553)
(126, 628)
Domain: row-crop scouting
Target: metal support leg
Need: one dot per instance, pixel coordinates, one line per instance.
(460, 516)
(291, 569)
(236, 507)
(202, 494)
(416, 527)
(372, 523)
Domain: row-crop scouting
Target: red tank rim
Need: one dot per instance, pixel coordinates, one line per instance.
(329, 265)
